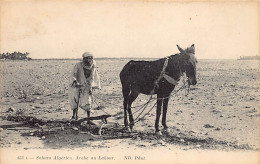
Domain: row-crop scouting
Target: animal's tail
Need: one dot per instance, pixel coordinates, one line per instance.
(124, 78)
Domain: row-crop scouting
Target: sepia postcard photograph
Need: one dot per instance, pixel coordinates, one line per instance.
(138, 81)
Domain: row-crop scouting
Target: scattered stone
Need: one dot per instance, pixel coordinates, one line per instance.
(141, 145)
(208, 126)
(252, 111)
(217, 129)
(20, 111)
(161, 142)
(11, 109)
(198, 146)
(58, 109)
(182, 140)
(192, 131)
(216, 111)
(99, 107)
(87, 132)
(180, 111)
(251, 115)
(37, 125)
(43, 137)
(31, 134)
(75, 128)
(1, 129)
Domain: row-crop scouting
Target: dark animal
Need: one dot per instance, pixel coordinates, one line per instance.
(156, 77)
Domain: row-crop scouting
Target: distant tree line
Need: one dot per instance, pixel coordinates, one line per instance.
(15, 56)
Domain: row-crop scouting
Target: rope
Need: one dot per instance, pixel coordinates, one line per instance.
(119, 105)
(107, 102)
(145, 114)
(135, 120)
(101, 109)
(145, 104)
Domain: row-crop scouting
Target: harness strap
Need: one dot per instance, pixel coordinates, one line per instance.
(170, 79)
(163, 75)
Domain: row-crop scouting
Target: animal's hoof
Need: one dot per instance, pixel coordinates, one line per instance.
(128, 129)
(166, 130)
(159, 133)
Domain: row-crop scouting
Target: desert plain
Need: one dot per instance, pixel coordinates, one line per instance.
(220, 113)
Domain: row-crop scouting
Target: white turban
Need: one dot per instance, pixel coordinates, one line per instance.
(87, 54)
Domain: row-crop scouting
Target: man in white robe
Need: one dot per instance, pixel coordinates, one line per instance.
(84, 77)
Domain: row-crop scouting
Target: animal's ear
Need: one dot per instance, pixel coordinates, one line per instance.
(181, 50)
(192, 49)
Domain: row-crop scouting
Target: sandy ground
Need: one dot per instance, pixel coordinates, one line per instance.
(219, 116)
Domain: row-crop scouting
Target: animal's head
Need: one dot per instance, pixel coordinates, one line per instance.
(190, 61)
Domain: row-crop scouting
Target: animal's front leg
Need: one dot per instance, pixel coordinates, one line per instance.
(165, 106)
(158, 114)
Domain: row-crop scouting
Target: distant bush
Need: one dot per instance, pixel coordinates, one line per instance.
(15, 56)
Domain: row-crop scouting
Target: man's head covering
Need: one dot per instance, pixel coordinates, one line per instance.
(87, 54)
(93, 64)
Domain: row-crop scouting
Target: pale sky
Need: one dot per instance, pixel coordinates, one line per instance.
(66, 29)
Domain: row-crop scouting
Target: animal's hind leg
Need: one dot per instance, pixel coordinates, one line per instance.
(125, 113)
(126, 93)
(133, 95)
